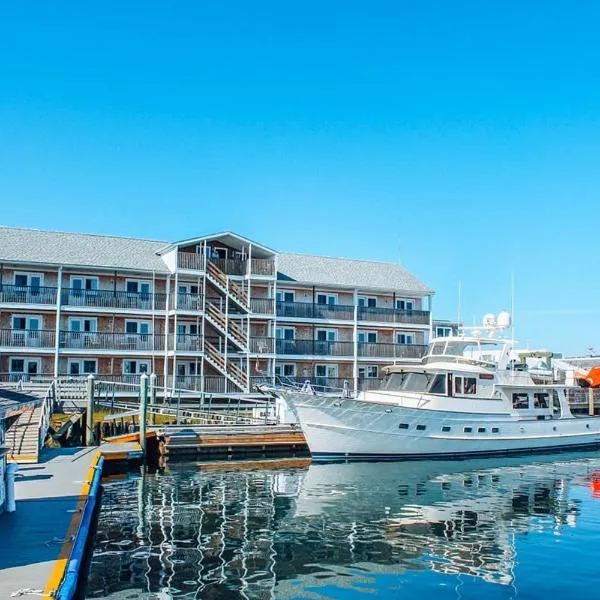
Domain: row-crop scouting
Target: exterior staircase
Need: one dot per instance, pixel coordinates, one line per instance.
(230, 370)
(23, 435)
(226, 286)
(231, 330)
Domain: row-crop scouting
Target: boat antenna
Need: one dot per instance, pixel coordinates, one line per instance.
(512, 305)
(459, 303)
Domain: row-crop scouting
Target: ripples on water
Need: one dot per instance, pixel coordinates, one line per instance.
(526, 527)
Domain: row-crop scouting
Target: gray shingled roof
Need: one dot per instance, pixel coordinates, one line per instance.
(52, 247)
(345, 272)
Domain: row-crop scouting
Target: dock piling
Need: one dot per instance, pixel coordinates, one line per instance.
(143, 409)
(89, 418)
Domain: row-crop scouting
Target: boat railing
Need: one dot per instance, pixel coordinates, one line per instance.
(309, 385)
(451, 358)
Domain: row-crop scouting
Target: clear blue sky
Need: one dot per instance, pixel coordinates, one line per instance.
(460, 138)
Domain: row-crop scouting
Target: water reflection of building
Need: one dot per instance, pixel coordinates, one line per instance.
(249, 533)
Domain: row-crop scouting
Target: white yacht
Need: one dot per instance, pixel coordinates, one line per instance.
(462, 400)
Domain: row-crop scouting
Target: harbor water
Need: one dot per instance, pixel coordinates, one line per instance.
(523, 528)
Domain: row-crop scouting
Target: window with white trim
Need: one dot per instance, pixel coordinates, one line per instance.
(31, 280)
(80, 325)
(403, 337)
(285, 296)
(367, 301)
(138, 286)
(443, 331)
(367, 336)
(81, 284)
(138, 327)
(323, 298)
(326, 371)
(187, 329)
(285, 333)
(82, 366)
(135, 367)
(285, 370)
(368, 372)
(25, 366)
(404, 304)
(326, 335)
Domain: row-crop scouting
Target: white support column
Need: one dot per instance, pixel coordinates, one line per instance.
(202, 385)
(249, 276)
(153, 321)
(274, 324)
(355, 336)
(167, 321)
(226, 322)
(57, 326)
(429, 299)
(176, 295)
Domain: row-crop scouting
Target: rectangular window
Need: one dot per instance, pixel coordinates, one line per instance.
(481, 430)
(495, 430)
(285, 333)
(81, 284)
(403, 426)
(368, 372)
(285, 296)
(443, 331)
(468, 429)
(458, 389)
(367, 302)
(421, 427)
(32, 280)
(17, 365)
(446, 429)
(470, 385)
(404, 304)
(83, 325)
(369, 337)
(405, 338)
(89, 366)
(138, 287)
(285, 370)
(520, 401)
(326, 371)
(326, 335)
(326, 299)
(541, 400)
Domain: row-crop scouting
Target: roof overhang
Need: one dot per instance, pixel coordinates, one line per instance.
(233, 240)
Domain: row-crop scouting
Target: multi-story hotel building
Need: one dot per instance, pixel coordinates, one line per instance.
(212, 314)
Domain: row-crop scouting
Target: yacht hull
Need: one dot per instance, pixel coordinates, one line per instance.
(348, 429)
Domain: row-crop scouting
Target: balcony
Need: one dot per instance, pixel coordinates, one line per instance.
(308, 310)
(393, 351)
(113, 299)
(120, 342)
(189, 302)
(12, 294)
(262, 345)
(189, 261)
(393, 315)
(262, 306)
(187, 342)
(26, 338)
(314, 348)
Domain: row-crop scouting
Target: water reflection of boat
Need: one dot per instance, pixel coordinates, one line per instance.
(451, 517)
(277, 531)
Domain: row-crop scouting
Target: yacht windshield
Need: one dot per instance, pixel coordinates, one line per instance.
(414, 382)
(485, 351)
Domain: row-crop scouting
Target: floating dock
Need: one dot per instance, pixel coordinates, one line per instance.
(43, 541)
(196, 441)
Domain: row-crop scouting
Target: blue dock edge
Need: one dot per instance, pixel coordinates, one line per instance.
(68, 585)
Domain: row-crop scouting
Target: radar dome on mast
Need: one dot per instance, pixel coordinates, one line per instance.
(503, 321)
